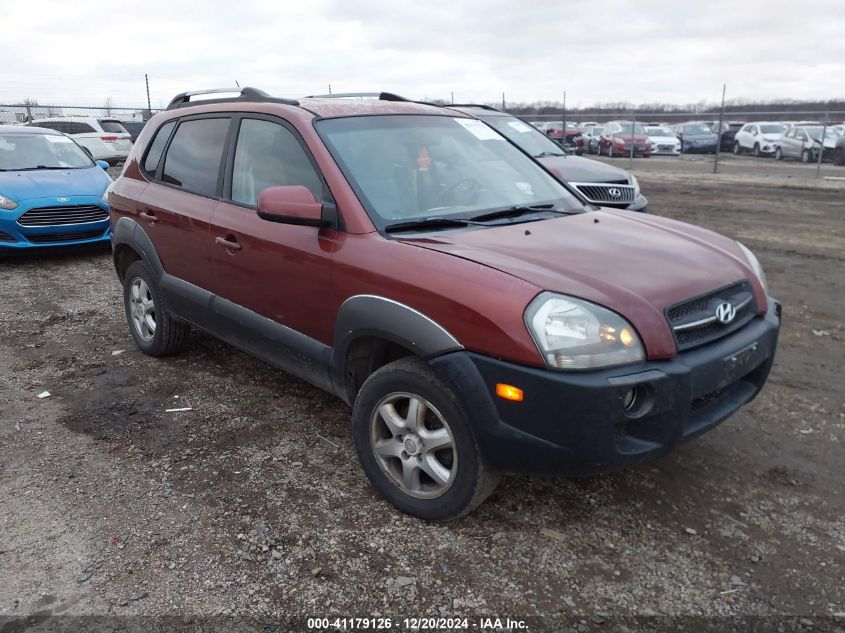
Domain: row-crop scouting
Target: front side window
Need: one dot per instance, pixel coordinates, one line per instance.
(40, 151)
(193, 158)
(157, 147)
(267, 154)
(412, 167)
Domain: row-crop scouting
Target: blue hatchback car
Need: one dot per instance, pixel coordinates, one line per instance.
(51, 191)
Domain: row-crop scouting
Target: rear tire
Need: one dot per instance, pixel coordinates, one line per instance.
(155, 330)
(839, 156)
(416, 445)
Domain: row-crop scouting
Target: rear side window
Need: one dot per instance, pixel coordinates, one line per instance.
(193, 158)
(157, 147)
(52, 125)
(269, 155)
(112, 126)
(77, 127)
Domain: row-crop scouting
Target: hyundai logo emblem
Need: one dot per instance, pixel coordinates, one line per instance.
(725, 312)
(614, 192)
(62, 199)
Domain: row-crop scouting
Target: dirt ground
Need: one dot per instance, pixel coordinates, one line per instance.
(253, 503)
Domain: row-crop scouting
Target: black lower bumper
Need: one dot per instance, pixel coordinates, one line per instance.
(576, 423)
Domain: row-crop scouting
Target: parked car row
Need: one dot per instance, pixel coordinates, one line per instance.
(797, 140)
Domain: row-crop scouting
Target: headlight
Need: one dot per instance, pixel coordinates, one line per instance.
(755, 266)
(576, 334)
(7, 203)
(636, 185)
(105, 196)
(616, 139)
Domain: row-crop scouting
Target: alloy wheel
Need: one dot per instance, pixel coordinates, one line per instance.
(413, 445)
(142, 309)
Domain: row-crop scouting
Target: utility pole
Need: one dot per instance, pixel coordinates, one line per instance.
(503, 101)
(330, 88)
(719, 133)
(149, 106)
(563, 133)
(453, 98)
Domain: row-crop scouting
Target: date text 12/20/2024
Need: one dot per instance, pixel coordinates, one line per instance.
(416, 624)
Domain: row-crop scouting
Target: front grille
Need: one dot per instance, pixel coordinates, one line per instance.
(58, 216)
(5, 237)
(665, 147)
(694, 321)
(51, 238)
(601, 193)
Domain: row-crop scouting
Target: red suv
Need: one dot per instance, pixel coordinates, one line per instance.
(478, 315)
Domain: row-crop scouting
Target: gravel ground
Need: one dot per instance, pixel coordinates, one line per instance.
(253, 502)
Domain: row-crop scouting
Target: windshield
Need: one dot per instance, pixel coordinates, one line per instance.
(40, 151)
(698, 128)
(659, 131)
(411, 167)
(816, 132)
(626, 129)
(772, 129)
(524, 136)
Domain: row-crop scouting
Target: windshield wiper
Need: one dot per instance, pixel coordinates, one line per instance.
(430, 223)
(513, 212)
(544, 154)
(36, 168)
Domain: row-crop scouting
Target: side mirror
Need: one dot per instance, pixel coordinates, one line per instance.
(290, 205)
(102, 164)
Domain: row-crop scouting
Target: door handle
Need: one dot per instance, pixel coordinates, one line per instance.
(149, 215)
(228, 242)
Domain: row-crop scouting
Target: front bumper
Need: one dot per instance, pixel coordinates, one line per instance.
(702, 147)
(576, 423)
(15, 237)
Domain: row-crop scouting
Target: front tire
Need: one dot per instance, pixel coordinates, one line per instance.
(415, 443)
(737, 148)
(805, 156)
(756, 151)
(778, 154)
(155, 330)
(839, 156)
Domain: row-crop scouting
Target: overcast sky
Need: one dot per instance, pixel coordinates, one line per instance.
(641, 51)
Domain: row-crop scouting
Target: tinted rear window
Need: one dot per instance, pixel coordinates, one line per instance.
(193, 158)
(112, 126)
(157, 147)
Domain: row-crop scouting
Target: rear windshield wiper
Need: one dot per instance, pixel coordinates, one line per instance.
(513, 212)
(430, 223)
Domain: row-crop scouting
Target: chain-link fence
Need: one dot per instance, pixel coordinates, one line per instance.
(806, 135)
(782, 134)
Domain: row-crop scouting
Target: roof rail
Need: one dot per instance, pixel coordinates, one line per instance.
(183, 99)
(381, 96)
(472, 105)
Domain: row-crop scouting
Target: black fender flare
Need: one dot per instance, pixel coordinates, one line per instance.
(371, 315)
(127, 231)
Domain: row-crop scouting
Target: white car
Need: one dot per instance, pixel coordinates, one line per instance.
(105, 138)
(663, 140)
(760, 138)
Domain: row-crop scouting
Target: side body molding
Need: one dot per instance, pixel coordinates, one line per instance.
(371, 315)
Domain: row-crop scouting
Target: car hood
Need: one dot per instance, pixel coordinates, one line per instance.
(578, 169)
(663, 140)
(48, 183)
(771, 138)
(633, 264)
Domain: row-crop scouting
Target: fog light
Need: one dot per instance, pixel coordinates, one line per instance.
(638, 401)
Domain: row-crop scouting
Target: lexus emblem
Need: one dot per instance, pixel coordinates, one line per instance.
(62, 199)
(725, 312)
(614, 192)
